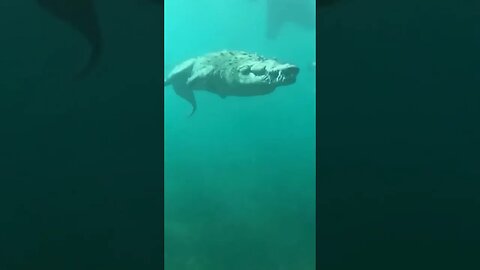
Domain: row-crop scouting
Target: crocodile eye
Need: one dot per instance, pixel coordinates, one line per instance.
(244, 70)
(259, 71)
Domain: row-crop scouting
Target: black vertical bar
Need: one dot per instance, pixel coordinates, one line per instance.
(81, 162)
(397, 148)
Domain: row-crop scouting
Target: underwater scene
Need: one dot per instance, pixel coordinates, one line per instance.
(239, 156)
(392, 151)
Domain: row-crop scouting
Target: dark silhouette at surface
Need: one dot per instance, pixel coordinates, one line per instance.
(298, 12)
(81, 16)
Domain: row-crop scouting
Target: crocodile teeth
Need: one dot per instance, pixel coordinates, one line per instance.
(279, 76)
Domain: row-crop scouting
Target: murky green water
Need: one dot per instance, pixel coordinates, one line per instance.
(240, 173)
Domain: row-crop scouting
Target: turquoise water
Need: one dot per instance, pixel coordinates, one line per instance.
(240, 173)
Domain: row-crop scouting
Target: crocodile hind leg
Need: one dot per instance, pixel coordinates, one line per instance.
(187, 94)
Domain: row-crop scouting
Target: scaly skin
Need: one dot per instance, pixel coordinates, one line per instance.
(230, 73)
